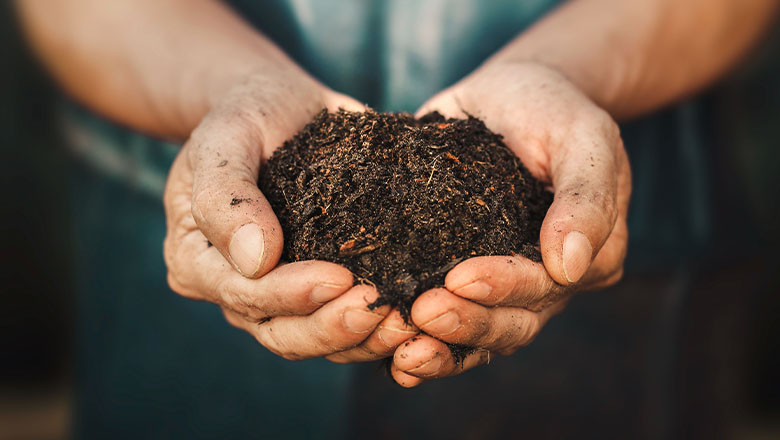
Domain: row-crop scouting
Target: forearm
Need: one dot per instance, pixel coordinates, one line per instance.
(155, 65)
(634, 56)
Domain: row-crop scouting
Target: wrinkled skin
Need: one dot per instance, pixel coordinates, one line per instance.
(499, 304)
(223, 240)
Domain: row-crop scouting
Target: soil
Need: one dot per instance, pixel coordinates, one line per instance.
(400, 201)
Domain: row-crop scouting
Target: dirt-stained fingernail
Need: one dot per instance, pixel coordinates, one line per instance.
(325, 292)
(428, 368)
(392, 337)
(246, 249)
(443, 324)
(360, 321)
(476, 290)
(576, 256)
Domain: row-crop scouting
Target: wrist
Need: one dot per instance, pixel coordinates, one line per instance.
(605, 82)
(203, 89)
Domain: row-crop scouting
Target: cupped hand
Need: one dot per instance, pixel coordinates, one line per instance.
(223, 241)
(498, 304)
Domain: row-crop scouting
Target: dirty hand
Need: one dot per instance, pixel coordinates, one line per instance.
(224, 242)
(498, 304)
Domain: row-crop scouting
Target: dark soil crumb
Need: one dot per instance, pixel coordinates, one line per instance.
(459, 352)
(400, 201)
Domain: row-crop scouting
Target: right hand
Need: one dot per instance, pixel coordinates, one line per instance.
(224, 242)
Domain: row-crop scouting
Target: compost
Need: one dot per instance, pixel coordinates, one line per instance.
(399, 201)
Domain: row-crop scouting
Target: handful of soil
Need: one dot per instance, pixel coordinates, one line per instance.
(400, 201)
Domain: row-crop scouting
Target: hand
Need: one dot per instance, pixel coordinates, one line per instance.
(224, 242)
(500, 303)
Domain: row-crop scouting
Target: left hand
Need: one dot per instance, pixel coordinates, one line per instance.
(498, 304)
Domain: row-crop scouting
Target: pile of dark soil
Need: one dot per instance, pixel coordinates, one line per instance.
(400, 201)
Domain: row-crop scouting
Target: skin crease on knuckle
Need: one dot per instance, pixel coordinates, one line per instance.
(228, 295)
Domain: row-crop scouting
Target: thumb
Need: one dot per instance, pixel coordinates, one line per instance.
(228, 207)
(584, 210)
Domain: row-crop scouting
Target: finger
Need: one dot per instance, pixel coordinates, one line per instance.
(390, 333)
(339, 325)
(225, 153)
(177, 201)
(199, 271)
(403, 379)
(427, 358)
(519, 282)
(335, 101)
(607, 268)
(584, 210)
(450, 318)
(506, 281)
(444, 102)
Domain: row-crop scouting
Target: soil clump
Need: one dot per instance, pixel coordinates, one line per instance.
(400, 201)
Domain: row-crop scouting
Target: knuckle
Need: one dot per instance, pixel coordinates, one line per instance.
(226, 295)
(202, 201)
(232, 319)
(175, 284)
(235, 298)
(174, 276)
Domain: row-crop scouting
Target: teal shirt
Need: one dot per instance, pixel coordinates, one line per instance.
(393, 55)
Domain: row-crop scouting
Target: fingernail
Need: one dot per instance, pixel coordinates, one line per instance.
(577, 253)
(388, 335)
(443, 325)
(246, 249)
(427, 369)
(475, 290)
(323, 293)
(360, 321)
